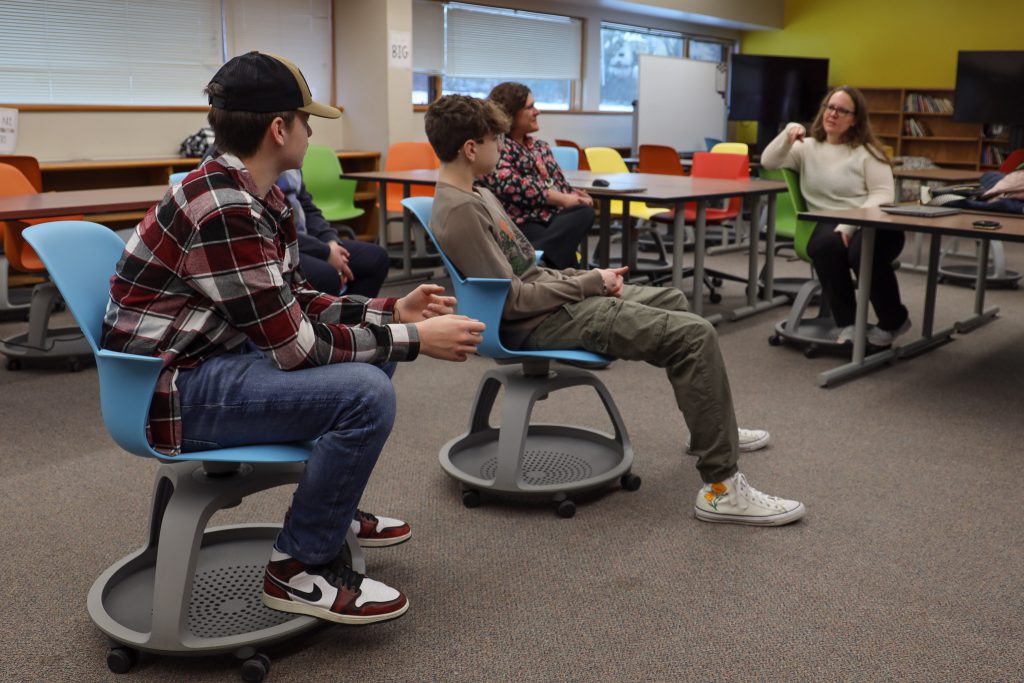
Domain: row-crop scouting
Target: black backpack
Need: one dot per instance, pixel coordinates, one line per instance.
(195, 145)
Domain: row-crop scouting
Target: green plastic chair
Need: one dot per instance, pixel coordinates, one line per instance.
(787, 206)
(332, 195)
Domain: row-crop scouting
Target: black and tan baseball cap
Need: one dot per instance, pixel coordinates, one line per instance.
(262, 82)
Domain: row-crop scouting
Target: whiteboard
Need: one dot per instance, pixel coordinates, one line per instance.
(679, 103)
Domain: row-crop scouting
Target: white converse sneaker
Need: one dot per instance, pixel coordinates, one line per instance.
(844, 335)
(735, 501)
(750, 440)
(879, 337)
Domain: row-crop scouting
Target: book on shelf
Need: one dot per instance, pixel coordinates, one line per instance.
(992, 156)
(928, 104)
(916, 129)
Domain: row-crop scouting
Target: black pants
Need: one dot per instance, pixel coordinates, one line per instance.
(561, 237)
(369, 264)
(832, 262)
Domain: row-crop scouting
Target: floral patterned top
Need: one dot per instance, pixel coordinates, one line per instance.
(521, 181)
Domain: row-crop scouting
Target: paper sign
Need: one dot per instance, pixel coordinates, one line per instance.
(400, 49)
(8, 130)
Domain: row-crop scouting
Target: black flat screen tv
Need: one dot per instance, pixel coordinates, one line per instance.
(776, 90)
(989, 87)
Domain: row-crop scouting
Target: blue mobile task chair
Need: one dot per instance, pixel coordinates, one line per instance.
(519, 458)
(568, 158)
(189, 590)
(176, 178)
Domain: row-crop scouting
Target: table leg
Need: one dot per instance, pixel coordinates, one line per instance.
(406, 275)
(981, 316)
(678, 235)
(698, 264)
(860, 364)
(604, 238)
(769, 300)
(929, 338)
(628, 241)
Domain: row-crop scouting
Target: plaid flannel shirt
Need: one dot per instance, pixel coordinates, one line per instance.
(214, 264)
(522, 178)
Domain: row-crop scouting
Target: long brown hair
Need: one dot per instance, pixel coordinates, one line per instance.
(860, 132)
(510, 96)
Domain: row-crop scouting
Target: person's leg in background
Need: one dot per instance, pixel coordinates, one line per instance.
(830, 259)
(369, 263)
(242, 398)
(885, 288)
(560, 239)
(320, 274)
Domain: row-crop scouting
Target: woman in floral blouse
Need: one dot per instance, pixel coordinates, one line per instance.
(530, 185)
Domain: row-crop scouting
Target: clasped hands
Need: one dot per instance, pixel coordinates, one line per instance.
(443, 334)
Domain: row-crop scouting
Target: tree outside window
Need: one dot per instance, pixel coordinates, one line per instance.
(621, 47)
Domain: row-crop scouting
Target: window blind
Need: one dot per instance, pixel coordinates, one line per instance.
(298, 30)
(484, 43)
(116, 52)
(428, 37)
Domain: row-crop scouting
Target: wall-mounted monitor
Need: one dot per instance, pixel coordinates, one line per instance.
(989, 87)
(775, 90)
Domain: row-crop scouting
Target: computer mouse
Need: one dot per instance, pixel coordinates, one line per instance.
(600, 182)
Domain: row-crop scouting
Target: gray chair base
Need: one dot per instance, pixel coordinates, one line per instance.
(996, 273)
(11, 299)
(538, 462)
(193, 590)
(42, 343)
(811, 334)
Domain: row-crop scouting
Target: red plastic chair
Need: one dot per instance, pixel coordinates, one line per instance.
(584, 164)
(1015, 159)
(723, 167)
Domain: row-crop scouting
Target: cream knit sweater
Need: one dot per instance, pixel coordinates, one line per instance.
(832, 176)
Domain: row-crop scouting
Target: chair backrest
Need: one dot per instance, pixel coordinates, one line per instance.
(723, 166)
(176, 178)
(81, 258)
(29, 167)
(659, 159)
(584, 166)
(804, 229)
(21, 257)
(320, 171)
(1010, 164)
(568, 158)
(409, 156)
(605, 160)
(484, 300)
(731, 148)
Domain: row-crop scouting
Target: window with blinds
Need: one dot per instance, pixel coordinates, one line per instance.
(473, 48)
(108, 52)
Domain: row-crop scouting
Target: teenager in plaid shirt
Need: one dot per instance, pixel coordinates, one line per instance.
(210, 283)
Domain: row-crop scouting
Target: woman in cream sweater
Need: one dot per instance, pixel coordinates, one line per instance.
(841, 166)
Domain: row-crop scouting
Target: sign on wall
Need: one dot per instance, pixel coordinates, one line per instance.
(400, 49)
(8, 130)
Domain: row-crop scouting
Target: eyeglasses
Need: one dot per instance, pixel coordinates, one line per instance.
(838, 111)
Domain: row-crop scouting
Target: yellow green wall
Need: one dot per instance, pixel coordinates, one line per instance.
(892, 43)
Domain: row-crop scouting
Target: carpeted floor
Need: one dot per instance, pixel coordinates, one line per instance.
(906, 568)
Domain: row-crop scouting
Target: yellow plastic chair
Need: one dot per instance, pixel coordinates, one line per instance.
(608, 160)
(731, 148)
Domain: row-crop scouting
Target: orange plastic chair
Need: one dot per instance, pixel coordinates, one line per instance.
(29, 167)
(40, 340)
(584, 165)
(659, 159)
(409, 156)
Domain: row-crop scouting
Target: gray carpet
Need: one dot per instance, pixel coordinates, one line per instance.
(907, 566)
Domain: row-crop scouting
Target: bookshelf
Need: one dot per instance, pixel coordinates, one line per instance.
(919, 122)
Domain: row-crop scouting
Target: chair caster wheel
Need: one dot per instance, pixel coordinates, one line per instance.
(120, 660)
(774, 340)
(811, 352)
(715, 297)
(74, 365)
(567, 509)
(254, 670)
(630, 482)
(471, 498)
(1014, 285)
(13, 364)
(716, 281)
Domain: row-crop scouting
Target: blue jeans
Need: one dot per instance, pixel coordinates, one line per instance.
(240, 398)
